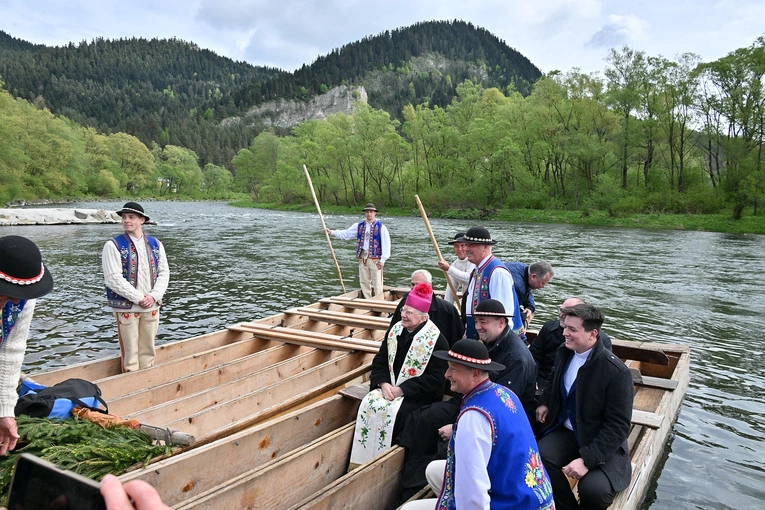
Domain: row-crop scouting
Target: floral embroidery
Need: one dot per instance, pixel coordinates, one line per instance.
(536, 478)
(505, 398)
(10, 313)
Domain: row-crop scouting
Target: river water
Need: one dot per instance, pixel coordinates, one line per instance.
(230, 265)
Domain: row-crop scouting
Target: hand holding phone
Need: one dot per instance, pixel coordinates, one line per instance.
(118, 496)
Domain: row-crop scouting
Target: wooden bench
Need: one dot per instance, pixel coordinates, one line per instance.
(342, 318)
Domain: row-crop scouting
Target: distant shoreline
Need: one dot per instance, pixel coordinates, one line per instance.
(56, 216)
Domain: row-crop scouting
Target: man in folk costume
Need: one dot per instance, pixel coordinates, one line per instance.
(490, 280)
(136, 275)
(404, 377)
(492, 460)
(459, 270)
(372, 249)
(23, 278)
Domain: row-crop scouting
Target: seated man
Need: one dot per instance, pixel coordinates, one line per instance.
(427, 429)
(493, 460)
(444, 315)
(404, 377)
(549, 338)
(586, 409)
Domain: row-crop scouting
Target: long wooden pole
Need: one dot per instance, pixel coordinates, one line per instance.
(438, 250)
(324, 228)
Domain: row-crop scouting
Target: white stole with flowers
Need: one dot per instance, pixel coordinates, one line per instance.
(376, 417)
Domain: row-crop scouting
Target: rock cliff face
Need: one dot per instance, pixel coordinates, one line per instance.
(288, 113)
(56, 216)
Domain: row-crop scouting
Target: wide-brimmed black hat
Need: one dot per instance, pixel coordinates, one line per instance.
(457, 237)
(477, 235)
(133, 207)
(471, 353)
(490, 308)
(22, 273)
(370, 207)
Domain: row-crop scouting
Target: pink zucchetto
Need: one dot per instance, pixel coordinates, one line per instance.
(420, 297)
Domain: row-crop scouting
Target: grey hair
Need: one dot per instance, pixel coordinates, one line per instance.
(541, 269)
(426, 274)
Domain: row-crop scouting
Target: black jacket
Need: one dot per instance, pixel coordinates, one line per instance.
(443, 314)
(604, 393)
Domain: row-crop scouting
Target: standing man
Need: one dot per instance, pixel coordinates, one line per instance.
(526, 279)
(586, 409)
(136, 275)
(490, 279)
(23, 278)
(459, 270)
(372, 249)
(493, 460)
(444, 315)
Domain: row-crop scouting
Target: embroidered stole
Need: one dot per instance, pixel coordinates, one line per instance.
(376, 417)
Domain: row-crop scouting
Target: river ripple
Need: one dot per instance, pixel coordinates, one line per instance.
(230, 265)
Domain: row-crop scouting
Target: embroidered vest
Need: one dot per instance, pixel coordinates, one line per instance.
(375, 239)
(10, 313)
(518, 479)
(129, 257)
(479, 291)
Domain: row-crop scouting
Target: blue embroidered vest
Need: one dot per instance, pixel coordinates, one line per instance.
(375, 241)
(129, 257)
(10, 313)
(518, 479)
(480, 290)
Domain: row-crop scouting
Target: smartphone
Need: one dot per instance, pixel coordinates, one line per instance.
(40, 485)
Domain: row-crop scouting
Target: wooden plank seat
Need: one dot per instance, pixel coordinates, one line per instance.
(374, 305)
(309, 338)
(652, 382)
(643, 354)
(343, 318)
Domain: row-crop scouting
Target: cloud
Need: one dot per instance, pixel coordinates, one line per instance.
(618, 31)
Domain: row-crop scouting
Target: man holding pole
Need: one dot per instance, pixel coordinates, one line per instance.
(459, 270)
(372, 249)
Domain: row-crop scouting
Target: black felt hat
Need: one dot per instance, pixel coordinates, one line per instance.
(490, 308)
(22, 273)
(471, 353)
(477, 235)
(457, 237)
(370, 207)
(133, 207)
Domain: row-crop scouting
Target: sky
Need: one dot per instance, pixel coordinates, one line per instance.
(553, 34)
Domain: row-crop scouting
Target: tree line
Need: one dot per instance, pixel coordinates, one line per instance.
(648, 135)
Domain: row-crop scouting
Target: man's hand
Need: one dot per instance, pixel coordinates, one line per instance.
(118, 496)
(575, 469)
(147, 301)
(445, 432)
(8, 434)
(327, 231)
(379, 264)
(390, 392)
(542, 413)
(529, 316)
(444, 265)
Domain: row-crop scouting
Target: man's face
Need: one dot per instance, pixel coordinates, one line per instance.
(488, 328)
(417, 278)
(4, 300)
(476, 252)
(370, 215)
(459, 250)
(566, 304)
(577, 339)
(459, 377)
(537, 282)
(411, 317)
(132, 222)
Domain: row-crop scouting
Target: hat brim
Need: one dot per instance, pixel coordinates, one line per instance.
(368, 209)
(491, 314)
(463, 240)
(134, 211)
(491, 367)
(33, 291)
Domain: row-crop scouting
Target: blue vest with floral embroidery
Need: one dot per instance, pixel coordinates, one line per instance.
(518, 479)
(375, 240)
(480, 290)
(10, 313)
(129, 257)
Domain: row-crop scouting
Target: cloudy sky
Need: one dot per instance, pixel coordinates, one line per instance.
(553, 34)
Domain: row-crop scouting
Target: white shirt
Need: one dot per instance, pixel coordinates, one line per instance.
(353, 231)
(114, 279)
(569, 378)
(472, 449)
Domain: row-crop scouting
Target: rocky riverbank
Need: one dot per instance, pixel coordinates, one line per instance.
(56, 216)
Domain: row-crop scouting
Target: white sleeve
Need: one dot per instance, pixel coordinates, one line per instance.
(11, 357)
(350, 233)
(112, 266)
(460, 276)
(472, 449)
(385, 238)
(163, 276)
(501, 289)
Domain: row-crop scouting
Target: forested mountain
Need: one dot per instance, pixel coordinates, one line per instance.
(172, 92)
(454, 51)
(150, 89)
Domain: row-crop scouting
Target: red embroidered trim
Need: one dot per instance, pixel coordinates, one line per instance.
(469, 359)
(23, 281)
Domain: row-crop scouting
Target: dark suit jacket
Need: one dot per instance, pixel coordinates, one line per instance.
(604, 393)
